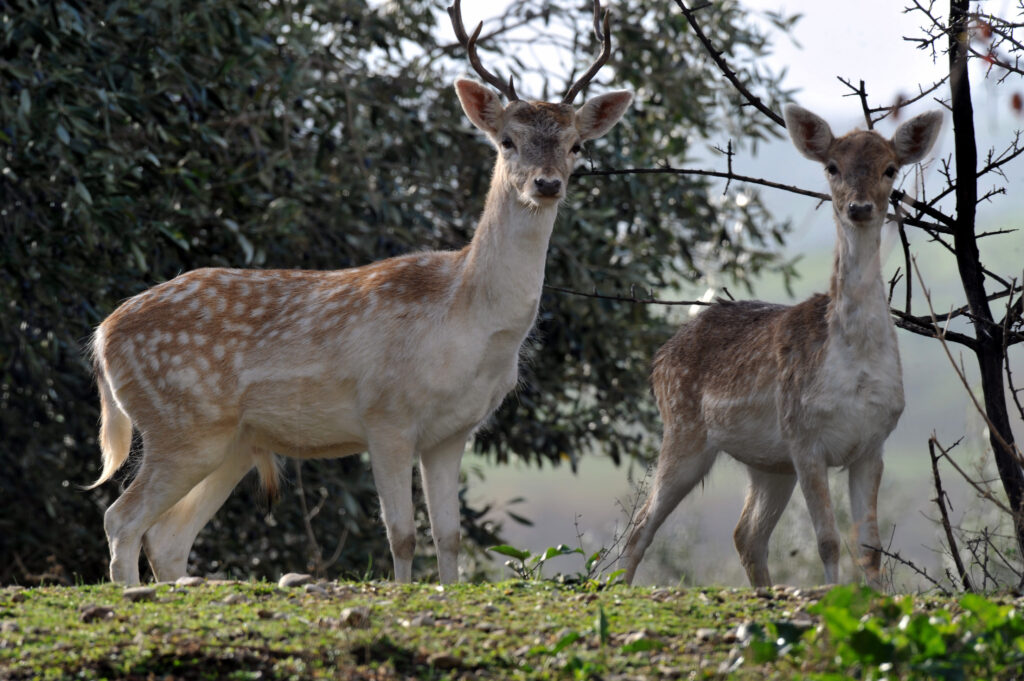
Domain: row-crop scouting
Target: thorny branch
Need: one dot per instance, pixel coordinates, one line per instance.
(940, 500)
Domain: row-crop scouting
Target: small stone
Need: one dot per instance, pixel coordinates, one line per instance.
(315, 589)
(8, 627)
(357, 617)
(17, 597)
(444, 661)
(294, 579)
(189, 581)
(486, 626)
(265, 614)
(140, 593)
(91, 613)
(641, 635)
(422, 620)
(234, 599)
(706, 634)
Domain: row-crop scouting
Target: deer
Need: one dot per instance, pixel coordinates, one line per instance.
(223, 370)
(791, 391)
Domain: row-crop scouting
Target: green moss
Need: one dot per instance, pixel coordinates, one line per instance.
(509, 630)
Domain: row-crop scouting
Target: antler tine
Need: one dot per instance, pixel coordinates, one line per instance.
(606, 51)
(469, 42)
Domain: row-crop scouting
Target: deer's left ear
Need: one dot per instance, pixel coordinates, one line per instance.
(481, 104)
(914, 139)
(597, 116)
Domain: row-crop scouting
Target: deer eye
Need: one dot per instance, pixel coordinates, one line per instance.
(890, 171)
(507, 143)
(832, 168)
(576, 148)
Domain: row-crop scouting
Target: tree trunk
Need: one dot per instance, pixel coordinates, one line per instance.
(989, 349)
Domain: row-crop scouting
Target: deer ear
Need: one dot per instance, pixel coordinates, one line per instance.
(597, 116)
(915, 138)
(809, 132)
(481, 104)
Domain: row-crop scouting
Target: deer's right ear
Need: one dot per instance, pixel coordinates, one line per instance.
(481, 104)
(810, 133)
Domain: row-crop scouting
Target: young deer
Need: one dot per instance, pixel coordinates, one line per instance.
(219, 369)
(793, 390)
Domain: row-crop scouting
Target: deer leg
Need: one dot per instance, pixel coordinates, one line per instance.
(169, 541)
(165, 476)
(865, 478)
(767, 497)
(439, 469)
(813, 478)
(391, 458)
(679, 469)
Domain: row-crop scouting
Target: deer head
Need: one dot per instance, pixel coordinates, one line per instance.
(537, 142)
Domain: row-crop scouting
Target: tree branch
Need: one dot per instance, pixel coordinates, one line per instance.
(723, 66)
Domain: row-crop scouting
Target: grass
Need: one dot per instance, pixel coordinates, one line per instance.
(507, 630)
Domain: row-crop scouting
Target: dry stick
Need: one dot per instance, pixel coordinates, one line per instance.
(306, 518)
(940, 496)
(910, 564)
(627, 299)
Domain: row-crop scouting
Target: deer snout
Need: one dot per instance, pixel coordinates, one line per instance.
(859, 211)
(546, 186)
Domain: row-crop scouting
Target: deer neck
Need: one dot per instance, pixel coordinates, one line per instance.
(859, 310)
(504, 268)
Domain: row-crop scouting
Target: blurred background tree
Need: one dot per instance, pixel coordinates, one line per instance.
(143, 139)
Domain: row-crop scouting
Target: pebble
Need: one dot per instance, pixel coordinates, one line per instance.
(233, 599)
(92, 613)
(189, 581)
(294, 579)
(444, 661)
(356, 617)
(706, 634)
(140, 593)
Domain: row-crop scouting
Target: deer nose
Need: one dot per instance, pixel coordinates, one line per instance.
(548, 187)
(858, 211)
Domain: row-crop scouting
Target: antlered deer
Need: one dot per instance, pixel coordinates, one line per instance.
(219, 369)
(793, 390)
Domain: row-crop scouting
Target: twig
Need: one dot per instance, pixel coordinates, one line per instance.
(669, 170)
(314, 546)
(940, 496)
(627, 299)
(910, 564)
(723, 66)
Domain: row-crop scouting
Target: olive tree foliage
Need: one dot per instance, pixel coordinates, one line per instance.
(143, 139)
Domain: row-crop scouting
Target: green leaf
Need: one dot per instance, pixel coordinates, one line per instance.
(642, 645)
(83, 192)
(510, 551)
(565, 642)
(62, 134)
(601, 626)
(25, 102)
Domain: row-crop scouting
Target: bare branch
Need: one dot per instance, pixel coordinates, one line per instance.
(632, 298)
(723, 66)
(940, 497)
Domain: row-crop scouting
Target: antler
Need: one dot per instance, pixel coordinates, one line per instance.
(606, 38)
(469, 42)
